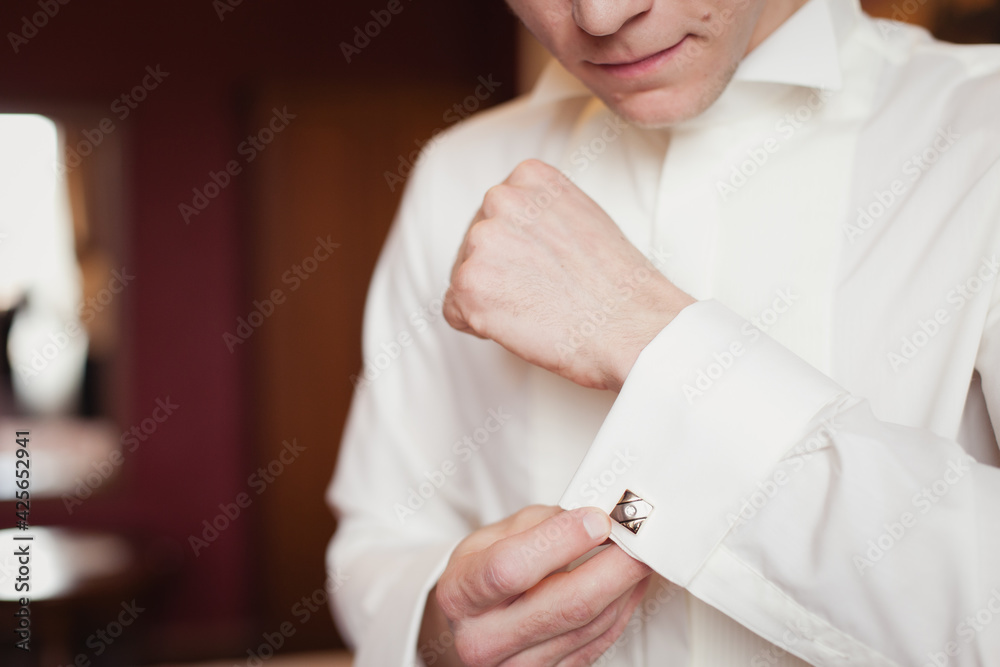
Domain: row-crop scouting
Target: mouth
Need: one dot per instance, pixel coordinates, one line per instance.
(635, 68)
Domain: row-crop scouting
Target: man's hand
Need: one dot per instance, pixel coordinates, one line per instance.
(547, 274)
(504, 599)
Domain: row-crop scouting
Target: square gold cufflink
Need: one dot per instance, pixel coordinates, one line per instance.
(631, 511)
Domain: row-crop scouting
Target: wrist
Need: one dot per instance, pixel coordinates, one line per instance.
(643, 329)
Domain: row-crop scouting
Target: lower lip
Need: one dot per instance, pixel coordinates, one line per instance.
(644, 66)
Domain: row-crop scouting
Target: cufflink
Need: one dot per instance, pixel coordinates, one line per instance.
(631, 511)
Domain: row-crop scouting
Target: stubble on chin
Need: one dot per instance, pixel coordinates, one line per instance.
(663, 109)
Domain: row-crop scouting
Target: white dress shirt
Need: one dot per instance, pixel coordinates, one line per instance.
(803, 432)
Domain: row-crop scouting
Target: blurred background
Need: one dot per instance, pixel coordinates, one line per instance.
(192, 198)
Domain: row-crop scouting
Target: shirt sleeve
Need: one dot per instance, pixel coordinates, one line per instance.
(393, 538)
(777, 497)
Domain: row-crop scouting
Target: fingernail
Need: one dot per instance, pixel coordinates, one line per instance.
(597, 524)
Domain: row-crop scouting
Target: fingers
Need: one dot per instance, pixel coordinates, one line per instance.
(564, 602)
(452, 313)
(506, 208)
(454, 317)
(519, 522)
(595, 637)
(466, 248)
(483, 579)
(590, 652)
(506, 597)
(535, 173)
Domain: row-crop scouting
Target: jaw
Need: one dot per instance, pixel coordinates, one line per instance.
(713, 41)
(668, 104)
(683, 86)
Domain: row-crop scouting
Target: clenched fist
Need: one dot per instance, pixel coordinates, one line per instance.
(541, 262)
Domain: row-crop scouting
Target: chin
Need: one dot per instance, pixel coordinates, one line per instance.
(669, 105)
(657, 108)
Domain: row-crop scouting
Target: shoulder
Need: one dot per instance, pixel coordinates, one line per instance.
(960, 81)
(933, 93)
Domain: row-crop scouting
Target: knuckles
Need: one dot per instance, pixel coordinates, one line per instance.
(567, 615)
(502, 576)
(480, 234)
(449, 596)
(462, 284)
(461, 587)
(452, 315)
(460, 304)
(577, 611)
(531, 185)
(531, 172)
(532, 515)
(500, 199)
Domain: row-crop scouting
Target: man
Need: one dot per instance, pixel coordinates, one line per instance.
(739, 292)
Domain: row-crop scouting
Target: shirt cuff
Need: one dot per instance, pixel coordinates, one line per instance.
(708, 409)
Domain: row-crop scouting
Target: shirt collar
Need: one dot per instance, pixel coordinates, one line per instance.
(803, 51)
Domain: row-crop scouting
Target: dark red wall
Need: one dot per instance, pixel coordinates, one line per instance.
(191, 279)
